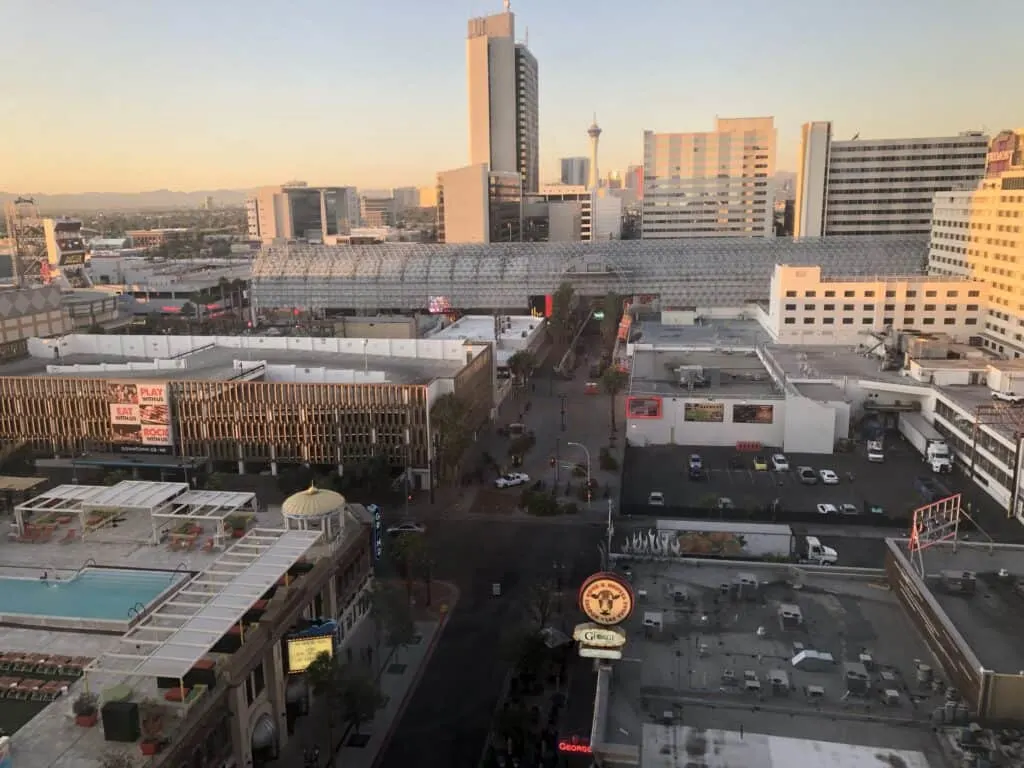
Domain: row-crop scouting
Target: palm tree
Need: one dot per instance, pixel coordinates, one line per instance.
(613, 381)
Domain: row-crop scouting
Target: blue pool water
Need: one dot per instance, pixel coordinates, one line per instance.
(95, 593)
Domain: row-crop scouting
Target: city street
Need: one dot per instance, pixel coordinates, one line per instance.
(448, 716)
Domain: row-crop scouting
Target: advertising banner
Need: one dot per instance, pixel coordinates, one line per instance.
(643, 407)
(704, 412)
(753, 414)
(140, 416)
(302, 651)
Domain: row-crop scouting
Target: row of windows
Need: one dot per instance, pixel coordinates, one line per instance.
(947, 181)
(871, 320)
(910, 294)
(979, 147)
(886, 308)
(917, 170)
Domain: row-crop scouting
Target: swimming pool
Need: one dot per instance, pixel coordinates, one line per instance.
(93, 598)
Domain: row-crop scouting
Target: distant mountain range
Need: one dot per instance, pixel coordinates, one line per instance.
(111, 201)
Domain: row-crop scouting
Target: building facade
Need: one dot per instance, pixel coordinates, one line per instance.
(977, 234)
(377, 209)
(156, 238)
(475, 205)
(575, 170)
(714, 184)
(502, 81)
(880, 186)
(295, 211)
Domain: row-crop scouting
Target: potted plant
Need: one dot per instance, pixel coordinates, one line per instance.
(86, 707)
(237, 524)
(151, 723)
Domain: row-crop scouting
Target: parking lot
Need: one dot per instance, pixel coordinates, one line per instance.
(731, 475)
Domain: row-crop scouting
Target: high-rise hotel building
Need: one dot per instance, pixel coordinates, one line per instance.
(503, 99)
(879, 186)
(978, 233)
(714, 184)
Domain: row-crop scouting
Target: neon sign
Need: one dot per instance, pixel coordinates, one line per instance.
(576, 746)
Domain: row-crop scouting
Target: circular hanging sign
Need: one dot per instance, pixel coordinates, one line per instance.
(606, 599)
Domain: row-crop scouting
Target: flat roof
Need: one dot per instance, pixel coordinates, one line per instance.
(217, 364)
(481, 328)
(723, 642)
(710, 332)
(992, 619)
(739, 373)
(19, 484)
(146, 495)
(683, 746)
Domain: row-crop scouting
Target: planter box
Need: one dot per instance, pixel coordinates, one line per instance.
(86, 721)
(149, 747)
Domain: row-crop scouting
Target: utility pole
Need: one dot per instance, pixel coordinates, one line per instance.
(561, 410)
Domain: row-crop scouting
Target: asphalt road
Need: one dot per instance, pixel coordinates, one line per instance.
(447, 719)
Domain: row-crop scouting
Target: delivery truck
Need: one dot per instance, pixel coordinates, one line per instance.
(928, 442)
(741, 541)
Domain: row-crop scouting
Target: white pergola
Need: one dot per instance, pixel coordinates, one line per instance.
(183, 629)
(204, 507)
(145, 496)
(63, 500)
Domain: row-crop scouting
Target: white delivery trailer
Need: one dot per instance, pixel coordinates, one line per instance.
(752, 541)
(928, 442)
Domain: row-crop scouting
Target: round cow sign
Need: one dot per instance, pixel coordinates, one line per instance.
(606, 599)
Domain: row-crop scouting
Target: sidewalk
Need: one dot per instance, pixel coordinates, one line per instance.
(398, 677)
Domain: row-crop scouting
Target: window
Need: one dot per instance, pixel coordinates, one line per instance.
(791, 307)
(869, 294)
(254, 684)
(790, 294)
(849, 294)
(930, 294)
(971, 321)
(911, 294)
(951, 307)
(847, 321)
(908, 321)
(847, 307)
(952, 294)
(829, 307)
(949, 321)
(908, 307)
(808, 321)
(886, 321)
(809, 307)
(972, 307)
(929, 307)
(867, 320)
(869, 307)
(789, 320)
(809, 294)
(827, 320)
(830, 294)
(890, 307)
(890, 294)
(973, 294)
(929, 321)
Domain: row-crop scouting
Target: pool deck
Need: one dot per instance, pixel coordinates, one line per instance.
(51, 739)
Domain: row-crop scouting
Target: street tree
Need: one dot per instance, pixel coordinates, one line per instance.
(450, 419)
(612, 307)
(613, 381)
(350, 691)
(391, 612)
(521, 365)
(560, 321)
(541, 601)
(409, 553)
(189, 312)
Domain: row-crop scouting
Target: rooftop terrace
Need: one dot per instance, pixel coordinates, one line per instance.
(736, 374)
(773, 650)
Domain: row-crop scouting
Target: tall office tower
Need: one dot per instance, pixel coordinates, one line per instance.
(716, 184)
(977, 234)
(880, 186)
(503, 98)
(635, 180)
(575, 171)
(594, 132)
(295, 211)
(809, 210)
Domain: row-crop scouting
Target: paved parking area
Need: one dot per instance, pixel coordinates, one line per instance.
(664, 468)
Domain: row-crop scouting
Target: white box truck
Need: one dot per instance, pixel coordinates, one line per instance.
(928, 442)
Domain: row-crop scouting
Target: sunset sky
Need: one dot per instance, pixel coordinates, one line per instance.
(196, 95)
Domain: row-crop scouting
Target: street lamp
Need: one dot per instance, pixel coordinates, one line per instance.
(586, 451)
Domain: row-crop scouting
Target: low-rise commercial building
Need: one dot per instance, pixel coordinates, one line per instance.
(155, 238)
(296, 211)
(245, 403)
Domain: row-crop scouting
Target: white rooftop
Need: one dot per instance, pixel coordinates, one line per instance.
(482, 327)
(208, 505)
(172, 639)
(144, 495)
(680, 746)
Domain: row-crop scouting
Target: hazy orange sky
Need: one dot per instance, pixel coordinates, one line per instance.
(198, 95)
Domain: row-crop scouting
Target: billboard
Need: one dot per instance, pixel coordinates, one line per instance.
(302, 651)
(753, 414)
(1002, 153)
(439, 305)
(643, 407)
(378, 531)
(140, 416)
(706, 412)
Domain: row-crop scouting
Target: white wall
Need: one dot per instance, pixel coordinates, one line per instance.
(810, 426)
(673, 429)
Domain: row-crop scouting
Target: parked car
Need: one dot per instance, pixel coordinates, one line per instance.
(848, 509)
(724, 502)
(696, 462)
(1008, 397)
(827, 509)
(828, 477)
(807, 475)
(407, 527)
(656, 499)
(760, 464)
(511, 480)
(780, 463)
(696, 473)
